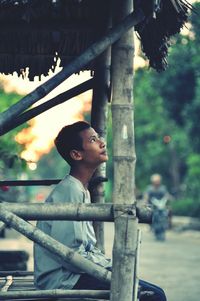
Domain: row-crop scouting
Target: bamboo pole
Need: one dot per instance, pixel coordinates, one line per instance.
(55, 293)
(98, 121)
(136, 278)
(125, 241)
(78, 212)
(76, 65)
(83, 87)
(54, 246)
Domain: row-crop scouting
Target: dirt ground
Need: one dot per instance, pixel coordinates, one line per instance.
(174, 264)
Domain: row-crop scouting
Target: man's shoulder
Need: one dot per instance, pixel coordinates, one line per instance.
(68, 190)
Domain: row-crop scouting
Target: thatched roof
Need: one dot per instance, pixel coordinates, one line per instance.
(35, 33)
(167, 19)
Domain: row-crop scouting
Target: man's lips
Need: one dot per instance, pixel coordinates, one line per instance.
(104, 153)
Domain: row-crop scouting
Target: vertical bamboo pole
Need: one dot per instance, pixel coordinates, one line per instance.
(98, 122)
(125, 241)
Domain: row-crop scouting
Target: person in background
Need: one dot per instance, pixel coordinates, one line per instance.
(158, 191)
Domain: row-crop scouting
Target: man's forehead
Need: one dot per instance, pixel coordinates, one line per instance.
(87, 133)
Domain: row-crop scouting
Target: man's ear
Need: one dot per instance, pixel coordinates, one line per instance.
(76, 155)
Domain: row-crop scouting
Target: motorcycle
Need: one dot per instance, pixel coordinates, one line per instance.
(159, 218)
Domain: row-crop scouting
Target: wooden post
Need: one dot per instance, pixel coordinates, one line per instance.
(125, 241)
(98, 121)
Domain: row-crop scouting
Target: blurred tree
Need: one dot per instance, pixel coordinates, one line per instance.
(11, 165)
(167, 118)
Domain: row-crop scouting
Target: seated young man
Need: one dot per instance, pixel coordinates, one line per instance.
(81, 147)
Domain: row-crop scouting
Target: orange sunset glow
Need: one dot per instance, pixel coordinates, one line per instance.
(38, 138)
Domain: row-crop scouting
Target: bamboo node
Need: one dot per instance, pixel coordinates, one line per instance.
(119, 211)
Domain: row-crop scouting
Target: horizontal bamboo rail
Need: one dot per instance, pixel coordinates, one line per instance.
(79, 212)
(54, 246)
(56, 293)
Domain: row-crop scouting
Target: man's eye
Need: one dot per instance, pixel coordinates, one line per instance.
(93, 139)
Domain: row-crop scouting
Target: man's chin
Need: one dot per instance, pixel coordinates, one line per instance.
(104, 158)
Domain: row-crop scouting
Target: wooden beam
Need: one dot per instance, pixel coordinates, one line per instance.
(76, 65)
(59, 99)
(57, 248)
(79, 212)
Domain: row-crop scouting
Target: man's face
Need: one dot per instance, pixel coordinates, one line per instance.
(156, 181)
(94, 148)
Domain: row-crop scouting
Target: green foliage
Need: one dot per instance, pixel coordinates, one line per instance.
(51, 166)
(10, 162)
(152, 127)
(168, 104)
(186, 207)
(193, 176)
(11, 165)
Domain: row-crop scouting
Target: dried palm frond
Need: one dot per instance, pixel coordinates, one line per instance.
(157, 28)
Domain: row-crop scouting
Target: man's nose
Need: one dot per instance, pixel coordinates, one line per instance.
(102, 142)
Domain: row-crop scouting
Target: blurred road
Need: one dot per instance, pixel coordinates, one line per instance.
(174, 264)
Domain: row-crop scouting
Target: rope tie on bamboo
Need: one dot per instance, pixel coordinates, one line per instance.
(118, 211)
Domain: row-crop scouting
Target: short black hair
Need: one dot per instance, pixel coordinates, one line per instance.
(68, 139)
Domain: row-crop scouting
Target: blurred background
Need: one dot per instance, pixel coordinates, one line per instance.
(167, 110)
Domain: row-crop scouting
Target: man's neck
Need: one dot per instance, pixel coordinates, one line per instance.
(82, 174)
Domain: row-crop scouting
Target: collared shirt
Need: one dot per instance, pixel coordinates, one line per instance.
(51, 272)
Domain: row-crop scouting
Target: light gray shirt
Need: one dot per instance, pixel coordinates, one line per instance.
(51, 272)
